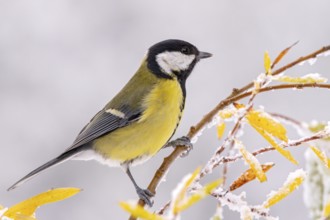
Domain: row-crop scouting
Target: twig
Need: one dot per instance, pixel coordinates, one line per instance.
(320, 135)
(216, 161)
(178, 150)
(236, 95)
(225, 167)
(288, 119)
(212, 163)
(225, 160)
(282, 69)
(162, 210)
(235, 202)
(208, 117)
(277, 87)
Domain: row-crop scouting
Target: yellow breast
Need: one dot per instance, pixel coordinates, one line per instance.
(145, 137)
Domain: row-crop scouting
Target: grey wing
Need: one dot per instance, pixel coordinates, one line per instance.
(104, 122)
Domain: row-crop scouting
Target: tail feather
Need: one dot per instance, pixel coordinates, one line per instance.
(58, 160)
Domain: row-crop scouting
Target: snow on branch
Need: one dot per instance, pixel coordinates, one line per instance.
(190, 190)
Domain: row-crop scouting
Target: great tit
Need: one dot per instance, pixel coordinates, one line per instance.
(141, 118)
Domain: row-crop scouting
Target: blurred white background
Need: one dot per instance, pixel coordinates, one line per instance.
(61, 61)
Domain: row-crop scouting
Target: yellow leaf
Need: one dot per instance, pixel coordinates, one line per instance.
(321, 155)
(248, 176)
(181, 195)
(309, 78)
(265, 125)
(139, 212)
(326, 210)
(267, 63)
(257, 87)
(252, 161)
(319, 126)
(294, 180)
(23, 217)
(263, 121)
(28, 207)
(316, 127)
(226, 113)
(191, 200)
(181, 201)
(282, 54)
(218, 215)
(221, 129)
(287, 154)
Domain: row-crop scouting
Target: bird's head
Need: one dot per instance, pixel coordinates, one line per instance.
(174, 59)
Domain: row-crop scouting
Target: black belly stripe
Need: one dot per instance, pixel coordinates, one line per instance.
(179, 117)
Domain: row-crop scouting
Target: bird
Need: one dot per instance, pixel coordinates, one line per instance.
(141, 119)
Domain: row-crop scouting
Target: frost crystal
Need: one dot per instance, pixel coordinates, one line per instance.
(218, 213)
(234, 202)
(312, 61)
(313, 187)
(195, 138)
(176, 193)
(2, 211)
(327, 128)
(263, 79)
(237, 203)
(246, 213)
(325, 54)
(261, 107)
(315, 77)
(294, 175)
(309, 78)
(163, 179)
(180, 186)
(214, 122)
(240, 132)
(292, 182)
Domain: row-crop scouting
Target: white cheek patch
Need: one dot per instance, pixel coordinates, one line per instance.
(174, 61)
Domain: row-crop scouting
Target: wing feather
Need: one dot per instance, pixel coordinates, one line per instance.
(128, 101)
(102, 123)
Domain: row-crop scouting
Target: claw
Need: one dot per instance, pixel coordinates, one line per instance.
(145, 195)
(182, 141)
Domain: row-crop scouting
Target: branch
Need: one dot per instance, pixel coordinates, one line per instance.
(236, 95)
(282, 69)
(277, 87)
(228, 159)
(320, 135)
(236, 203)
(178, 150)
(208, 117)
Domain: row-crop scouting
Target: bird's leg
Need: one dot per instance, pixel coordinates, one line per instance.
(182, 141)
(143, 194)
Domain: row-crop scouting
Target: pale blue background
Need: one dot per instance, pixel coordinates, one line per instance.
(61, 61)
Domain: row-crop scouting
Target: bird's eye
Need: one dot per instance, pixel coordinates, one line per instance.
(185, 50)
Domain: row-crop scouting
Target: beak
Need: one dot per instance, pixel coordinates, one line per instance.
(203, 55)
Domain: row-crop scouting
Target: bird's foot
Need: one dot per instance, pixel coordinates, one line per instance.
(145, 195)
(182, 141)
